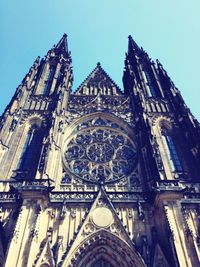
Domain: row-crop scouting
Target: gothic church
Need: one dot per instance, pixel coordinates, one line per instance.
(99, 177)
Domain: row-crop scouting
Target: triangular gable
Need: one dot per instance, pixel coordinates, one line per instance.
(98, 82)
(102, 216)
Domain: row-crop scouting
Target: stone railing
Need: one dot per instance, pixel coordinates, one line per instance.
(174, 185)
(105, 102)
(7, 185)
(34, 185)
(7, 197)
(84, 197)
(168, 185)
(78, 188)
(80, 197)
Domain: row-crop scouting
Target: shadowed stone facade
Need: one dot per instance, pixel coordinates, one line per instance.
(99, 177)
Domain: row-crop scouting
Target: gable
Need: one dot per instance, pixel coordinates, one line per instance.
(98, 82)
(102, 225)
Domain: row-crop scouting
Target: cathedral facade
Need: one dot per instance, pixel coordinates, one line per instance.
(99, 177)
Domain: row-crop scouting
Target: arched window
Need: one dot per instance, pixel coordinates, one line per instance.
(29, 157)
(101, 263)
(152, 86)
(172, 153)
(25, 150)
(48, 82)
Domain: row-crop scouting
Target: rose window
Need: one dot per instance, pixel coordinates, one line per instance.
(100, 155)
(100, 152)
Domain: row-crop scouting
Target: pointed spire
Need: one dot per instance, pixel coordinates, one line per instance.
(132, 45)
(62, 46)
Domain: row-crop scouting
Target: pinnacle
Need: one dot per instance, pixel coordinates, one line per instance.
(132, 42)
(132, 46)
(62, 45)
(62, 41)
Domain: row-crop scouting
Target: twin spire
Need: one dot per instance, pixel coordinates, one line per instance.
(98, 81)
(62, 45)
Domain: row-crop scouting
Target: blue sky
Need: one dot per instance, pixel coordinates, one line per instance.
(98, 31)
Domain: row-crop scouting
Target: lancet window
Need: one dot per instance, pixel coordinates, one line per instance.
(172, 153)
(48, 82)
(152, 87)
(30, 151)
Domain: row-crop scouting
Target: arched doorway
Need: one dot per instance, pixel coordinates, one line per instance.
(102, 263)
(103, 249)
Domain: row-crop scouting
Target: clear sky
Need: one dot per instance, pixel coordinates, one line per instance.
(97, 31)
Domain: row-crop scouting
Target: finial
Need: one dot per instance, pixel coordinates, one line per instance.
(98, 64)
(62, 46)
(132, 46)
(37, 60)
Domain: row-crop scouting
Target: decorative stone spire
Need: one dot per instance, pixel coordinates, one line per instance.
(132, 45)
(62, 47)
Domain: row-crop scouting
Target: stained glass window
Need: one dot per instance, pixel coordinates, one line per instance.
(172, 153)
(49, 80)
(101, 154)
(29, 158)
(25, 149)
(152, 88)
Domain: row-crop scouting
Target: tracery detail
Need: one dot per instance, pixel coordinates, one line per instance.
(100, 154)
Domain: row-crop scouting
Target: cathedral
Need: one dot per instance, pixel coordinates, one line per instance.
(99, 176)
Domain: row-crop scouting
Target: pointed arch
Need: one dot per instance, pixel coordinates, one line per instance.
(73, 127)
(152, 88)
(102, 263)
(107, 247)
(45, 78)
(168, 139)
(169, 146)
(30, 148)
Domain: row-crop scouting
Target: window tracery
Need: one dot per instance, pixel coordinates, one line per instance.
(152, 86)
(100, 154)
(172, 152)
(48, 82)
(29, 147)
(169, 143)
(29, 151)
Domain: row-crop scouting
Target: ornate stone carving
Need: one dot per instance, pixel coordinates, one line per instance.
(100, 155)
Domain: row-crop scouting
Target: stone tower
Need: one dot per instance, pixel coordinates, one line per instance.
(99, 177)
